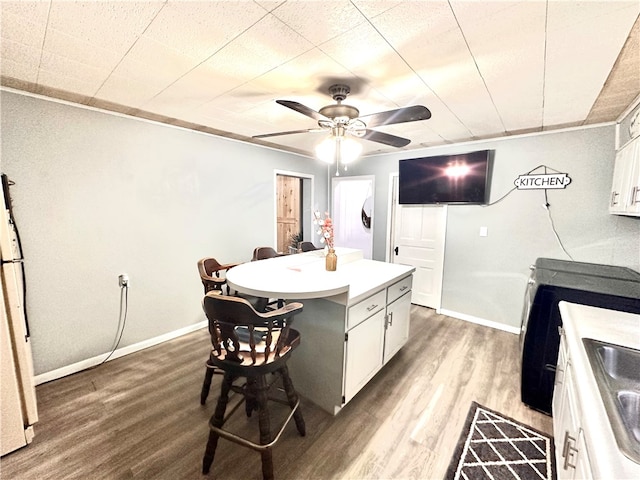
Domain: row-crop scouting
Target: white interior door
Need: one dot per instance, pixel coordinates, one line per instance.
(353, 213)
(418, 233)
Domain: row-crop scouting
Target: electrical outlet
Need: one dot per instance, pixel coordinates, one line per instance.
(123, 280)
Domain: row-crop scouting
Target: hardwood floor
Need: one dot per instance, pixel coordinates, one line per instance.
(139, 417)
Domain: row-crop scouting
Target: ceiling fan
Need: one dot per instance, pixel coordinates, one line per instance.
(341, 119)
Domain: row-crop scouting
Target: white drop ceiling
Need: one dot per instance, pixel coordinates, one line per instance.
(484, 68)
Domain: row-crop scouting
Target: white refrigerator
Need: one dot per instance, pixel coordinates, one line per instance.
(18, 395)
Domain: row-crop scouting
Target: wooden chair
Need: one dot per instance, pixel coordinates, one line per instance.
(251, 345)
(307, 247)
(210, 273)
(262, 253)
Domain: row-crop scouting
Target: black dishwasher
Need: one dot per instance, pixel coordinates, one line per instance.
(551, 281)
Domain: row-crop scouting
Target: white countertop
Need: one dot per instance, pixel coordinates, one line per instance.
(620, 328)
(303, 275)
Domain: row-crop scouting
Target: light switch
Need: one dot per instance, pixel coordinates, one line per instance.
(484, 231)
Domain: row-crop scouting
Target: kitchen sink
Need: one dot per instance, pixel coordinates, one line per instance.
(617, 373)
(620, 363)
(630, 408)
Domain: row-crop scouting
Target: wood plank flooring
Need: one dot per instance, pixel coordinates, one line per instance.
(139, 417)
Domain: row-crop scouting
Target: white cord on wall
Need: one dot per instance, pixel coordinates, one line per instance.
(122, 319)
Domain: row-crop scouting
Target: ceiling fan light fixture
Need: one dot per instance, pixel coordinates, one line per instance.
(344, 149)
(350, 149)
(326, 150)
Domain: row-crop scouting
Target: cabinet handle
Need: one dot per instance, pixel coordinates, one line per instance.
(568, 451)
(559, 374)
(390, 318)
(372, 307)
(403, 288)
(634, 195)
(614, 200)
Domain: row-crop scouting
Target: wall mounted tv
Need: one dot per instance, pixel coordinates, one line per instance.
(463, 178)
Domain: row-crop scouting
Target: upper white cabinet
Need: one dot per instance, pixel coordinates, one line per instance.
(625, 190)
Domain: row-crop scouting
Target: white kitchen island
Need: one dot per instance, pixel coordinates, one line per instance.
(354, 320)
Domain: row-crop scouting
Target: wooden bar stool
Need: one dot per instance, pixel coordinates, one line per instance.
(251, 345)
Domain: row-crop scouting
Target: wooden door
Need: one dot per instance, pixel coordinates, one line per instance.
(289, 192)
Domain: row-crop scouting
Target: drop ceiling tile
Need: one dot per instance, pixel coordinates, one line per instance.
(71, 47)
(268, 44)
(56, 78)
(199, 86)
(369, 56)
(70, 75)
(428, 20)
(373, 8)
(150, 58)
(462, 89)
(319, 21)
(238, 100)
(148, 62)
(19, 60)
(576, 70)
(511, 70)
(18, 70)
(437, 52)
(110, 25)
(306, 77)
(444, 122)
(406, 90)
(24, 22)
(200, 28)
(133, 92)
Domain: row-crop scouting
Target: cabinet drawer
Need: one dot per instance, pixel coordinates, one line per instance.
(364, 309)
(399, 288)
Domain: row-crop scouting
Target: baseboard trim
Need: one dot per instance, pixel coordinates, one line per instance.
(480, 321)
(121, 352)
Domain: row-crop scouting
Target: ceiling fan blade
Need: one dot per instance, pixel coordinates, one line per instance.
(306, 130)
(298, 107)
(385, 138)
(400, 115)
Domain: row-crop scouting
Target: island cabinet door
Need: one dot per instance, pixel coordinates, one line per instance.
(397, 325)
(364, 345)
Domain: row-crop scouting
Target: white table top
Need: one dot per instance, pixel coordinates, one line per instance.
(620, 328)
(303, 275)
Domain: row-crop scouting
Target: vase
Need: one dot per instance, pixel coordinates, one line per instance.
(331, 260)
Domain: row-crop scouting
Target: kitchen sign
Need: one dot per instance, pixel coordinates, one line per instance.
(542, 181)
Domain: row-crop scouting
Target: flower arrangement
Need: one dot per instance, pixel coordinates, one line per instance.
(325, 228)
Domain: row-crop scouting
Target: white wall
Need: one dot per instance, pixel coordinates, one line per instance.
(98, 194)
(485, 277)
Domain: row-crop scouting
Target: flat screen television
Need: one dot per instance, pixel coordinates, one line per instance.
(463, 178)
